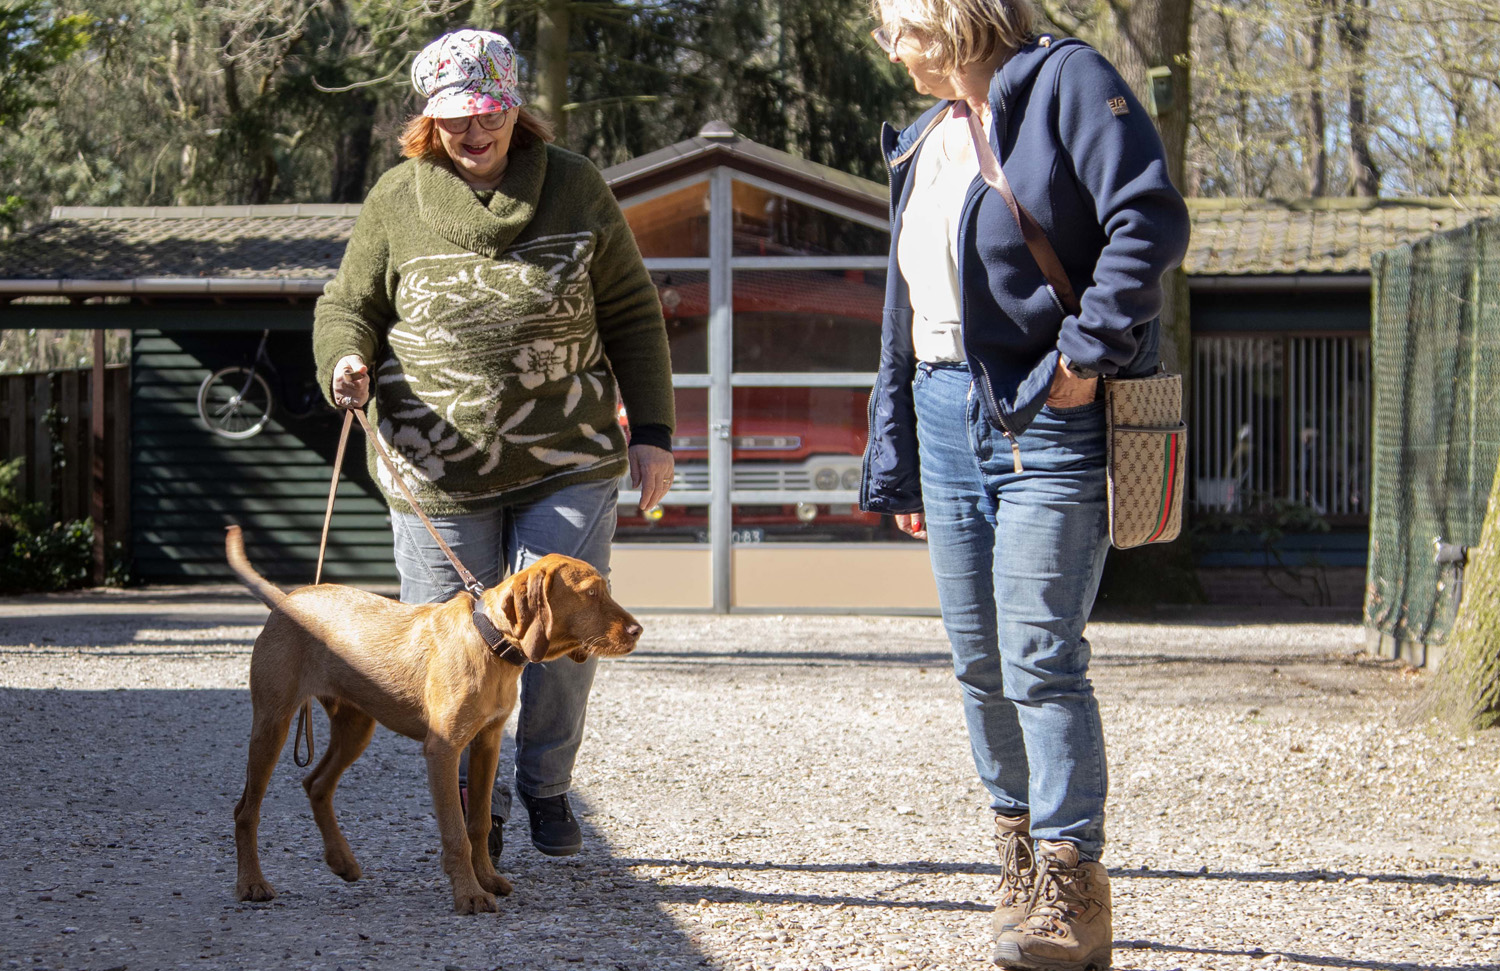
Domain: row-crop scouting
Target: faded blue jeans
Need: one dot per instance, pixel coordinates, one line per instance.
(576, 520)
(1017, 559)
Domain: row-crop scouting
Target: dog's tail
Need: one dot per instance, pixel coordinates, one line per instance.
(264, 590)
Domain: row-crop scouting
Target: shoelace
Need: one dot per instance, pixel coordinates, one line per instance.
(1054, 894)
(1017, 863)
(550, 810)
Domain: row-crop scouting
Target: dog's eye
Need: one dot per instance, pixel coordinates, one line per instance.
(593, 591)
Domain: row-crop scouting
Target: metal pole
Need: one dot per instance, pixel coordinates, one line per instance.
(97, 483)
(720, 390)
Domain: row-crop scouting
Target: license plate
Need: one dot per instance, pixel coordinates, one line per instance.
(756, 535)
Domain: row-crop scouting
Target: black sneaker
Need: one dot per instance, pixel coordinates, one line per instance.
(497, 839)
(554, 831)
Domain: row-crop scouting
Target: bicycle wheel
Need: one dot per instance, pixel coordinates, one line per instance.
(234, 402)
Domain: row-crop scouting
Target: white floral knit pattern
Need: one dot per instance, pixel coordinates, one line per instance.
(468, 327)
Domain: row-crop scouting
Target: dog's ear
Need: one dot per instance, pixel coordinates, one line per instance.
(528, 613)
(534, 614)
(580, 654)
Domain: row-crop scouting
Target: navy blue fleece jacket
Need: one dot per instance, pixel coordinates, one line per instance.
(1083, 156)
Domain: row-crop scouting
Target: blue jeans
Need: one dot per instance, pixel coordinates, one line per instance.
(578, 521)
(1017, 559)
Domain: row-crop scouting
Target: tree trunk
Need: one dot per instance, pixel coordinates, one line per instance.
(1311, 111)
(553, 24)
(1465, 692)
(1140, 35)
(1354, 35)
(351, 148)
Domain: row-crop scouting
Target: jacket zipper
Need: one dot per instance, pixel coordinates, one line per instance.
(984, 373)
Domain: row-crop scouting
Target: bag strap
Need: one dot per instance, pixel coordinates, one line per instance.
(1031, 230)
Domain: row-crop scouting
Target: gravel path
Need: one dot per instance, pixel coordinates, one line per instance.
(758, 793)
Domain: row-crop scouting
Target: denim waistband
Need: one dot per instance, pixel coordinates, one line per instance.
(944, 366)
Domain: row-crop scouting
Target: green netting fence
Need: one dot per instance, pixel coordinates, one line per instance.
(1436, 349)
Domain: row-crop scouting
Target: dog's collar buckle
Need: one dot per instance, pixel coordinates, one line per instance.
(503, 647)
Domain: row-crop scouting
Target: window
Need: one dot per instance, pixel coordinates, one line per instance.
(1281, 418)
(768, 224)
(672, 226)
(807, 320)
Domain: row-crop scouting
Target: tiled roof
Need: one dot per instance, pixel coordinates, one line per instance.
(1242, 237)
(238, 242)
(1231, 237)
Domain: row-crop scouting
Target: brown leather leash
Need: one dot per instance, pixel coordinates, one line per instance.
(304, 716)
(493, 637)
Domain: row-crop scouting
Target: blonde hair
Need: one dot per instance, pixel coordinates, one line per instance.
(419, 139)
(959, 32)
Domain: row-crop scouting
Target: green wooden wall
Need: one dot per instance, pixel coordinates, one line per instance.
(190, 483)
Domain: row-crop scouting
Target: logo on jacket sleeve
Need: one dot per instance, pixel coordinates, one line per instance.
(1119, 106)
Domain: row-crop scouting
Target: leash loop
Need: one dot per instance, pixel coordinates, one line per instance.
(304, 729)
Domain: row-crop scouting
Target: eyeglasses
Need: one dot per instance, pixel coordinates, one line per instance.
(886, 37)
(493, 121)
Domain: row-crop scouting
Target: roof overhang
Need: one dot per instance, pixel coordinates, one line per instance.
(166, 286)
(1291, 283)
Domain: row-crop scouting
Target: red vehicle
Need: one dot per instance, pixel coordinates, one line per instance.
(787, 440)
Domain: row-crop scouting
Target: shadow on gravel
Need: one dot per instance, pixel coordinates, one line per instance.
(1201, 615)
(912, 866)
(792, 659)
(1315, 960)
(89, 630)
(117, 808)
(1121, 659)
(1307, 876)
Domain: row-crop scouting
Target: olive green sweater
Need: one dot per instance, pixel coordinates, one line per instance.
(500, 336)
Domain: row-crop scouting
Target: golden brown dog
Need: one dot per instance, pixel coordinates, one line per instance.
(423, 671)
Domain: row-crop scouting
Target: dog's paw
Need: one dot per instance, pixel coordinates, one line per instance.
(344, 865)
(495, 883)
(474, 903)
(255, 890)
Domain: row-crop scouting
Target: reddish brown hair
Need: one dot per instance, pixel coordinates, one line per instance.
(419, 139)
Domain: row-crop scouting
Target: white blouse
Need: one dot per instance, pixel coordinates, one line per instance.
(927, 251)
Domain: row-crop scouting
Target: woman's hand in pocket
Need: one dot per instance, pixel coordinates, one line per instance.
(1070, 391)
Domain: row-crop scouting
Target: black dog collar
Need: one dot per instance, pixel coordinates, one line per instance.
(505, 649)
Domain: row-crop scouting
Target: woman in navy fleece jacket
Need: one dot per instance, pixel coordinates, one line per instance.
(987, 436)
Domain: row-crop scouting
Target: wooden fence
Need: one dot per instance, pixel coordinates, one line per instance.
(45, 418)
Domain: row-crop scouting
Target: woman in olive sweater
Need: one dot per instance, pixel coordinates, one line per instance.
(494, 290)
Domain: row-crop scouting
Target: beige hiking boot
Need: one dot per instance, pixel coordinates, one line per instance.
(1018, 863)
(1069, 927)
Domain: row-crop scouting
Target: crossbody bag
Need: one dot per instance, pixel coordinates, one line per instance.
(1147, 438)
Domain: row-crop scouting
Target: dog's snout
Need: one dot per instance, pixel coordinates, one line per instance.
(633, 631)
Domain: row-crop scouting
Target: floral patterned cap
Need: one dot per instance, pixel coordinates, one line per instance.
(467, 72)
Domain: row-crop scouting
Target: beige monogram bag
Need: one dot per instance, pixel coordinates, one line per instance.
(1147, 440)
(1147, 437)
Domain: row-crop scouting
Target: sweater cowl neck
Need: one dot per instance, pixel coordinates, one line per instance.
(448, 204)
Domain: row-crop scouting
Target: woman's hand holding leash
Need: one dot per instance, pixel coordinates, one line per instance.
(351, 382)
(651, 471)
